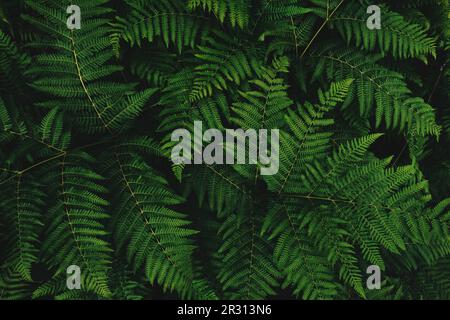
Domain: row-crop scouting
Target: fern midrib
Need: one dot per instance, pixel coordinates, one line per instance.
(304, 258)
(199, 87)
(394, 236)
(19, 224)
(29, 168)
(229, 181)
(321, 27)
(261, 15)
(297, 154)
(250, 274)
(297, 45)
(362, 191)
(379, 235)
(355, 281)
(69, 221)
(142, 212)
(355, 67)
(24, 135)
(83, 83)
(263, 125)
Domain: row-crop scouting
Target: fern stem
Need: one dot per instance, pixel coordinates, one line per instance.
(83, 84)
(69, 220)
(321, 27)
(19, 223)
(142, 212)
(299, 244)
(24, 135)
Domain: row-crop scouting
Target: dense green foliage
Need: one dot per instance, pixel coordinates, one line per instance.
(86, 179)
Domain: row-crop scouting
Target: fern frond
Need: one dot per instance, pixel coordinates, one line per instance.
(222, 188)
(157, 70)
(434, 280)
(247, 271)
(237, 11)
(75, 69)
(23, 202)
(44, 142)
(287, 37)
(276, 10)
(169, 20)
(307, 140)
(360, 169)
(123, 284)
(223, 60)
(75, 232)
(12, 286)
(155, 236)
(377, 86)
(397, 35)
(265, 106)
(13, 63)
(303, 267)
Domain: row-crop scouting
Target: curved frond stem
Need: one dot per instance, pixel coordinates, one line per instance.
(328, 17)
(83, 84)
(141, 210)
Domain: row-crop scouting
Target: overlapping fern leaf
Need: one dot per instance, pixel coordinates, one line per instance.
(13, 63)
(223, 59)
(168, 20)
(266, 105)
(309, 138)
(397, 36)
(23, 204)
(376, 87)
(76, 64)
(248, 271)
(76, 233)
(154, 236)
(236, 11)
(12, 286)
(303, 267)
